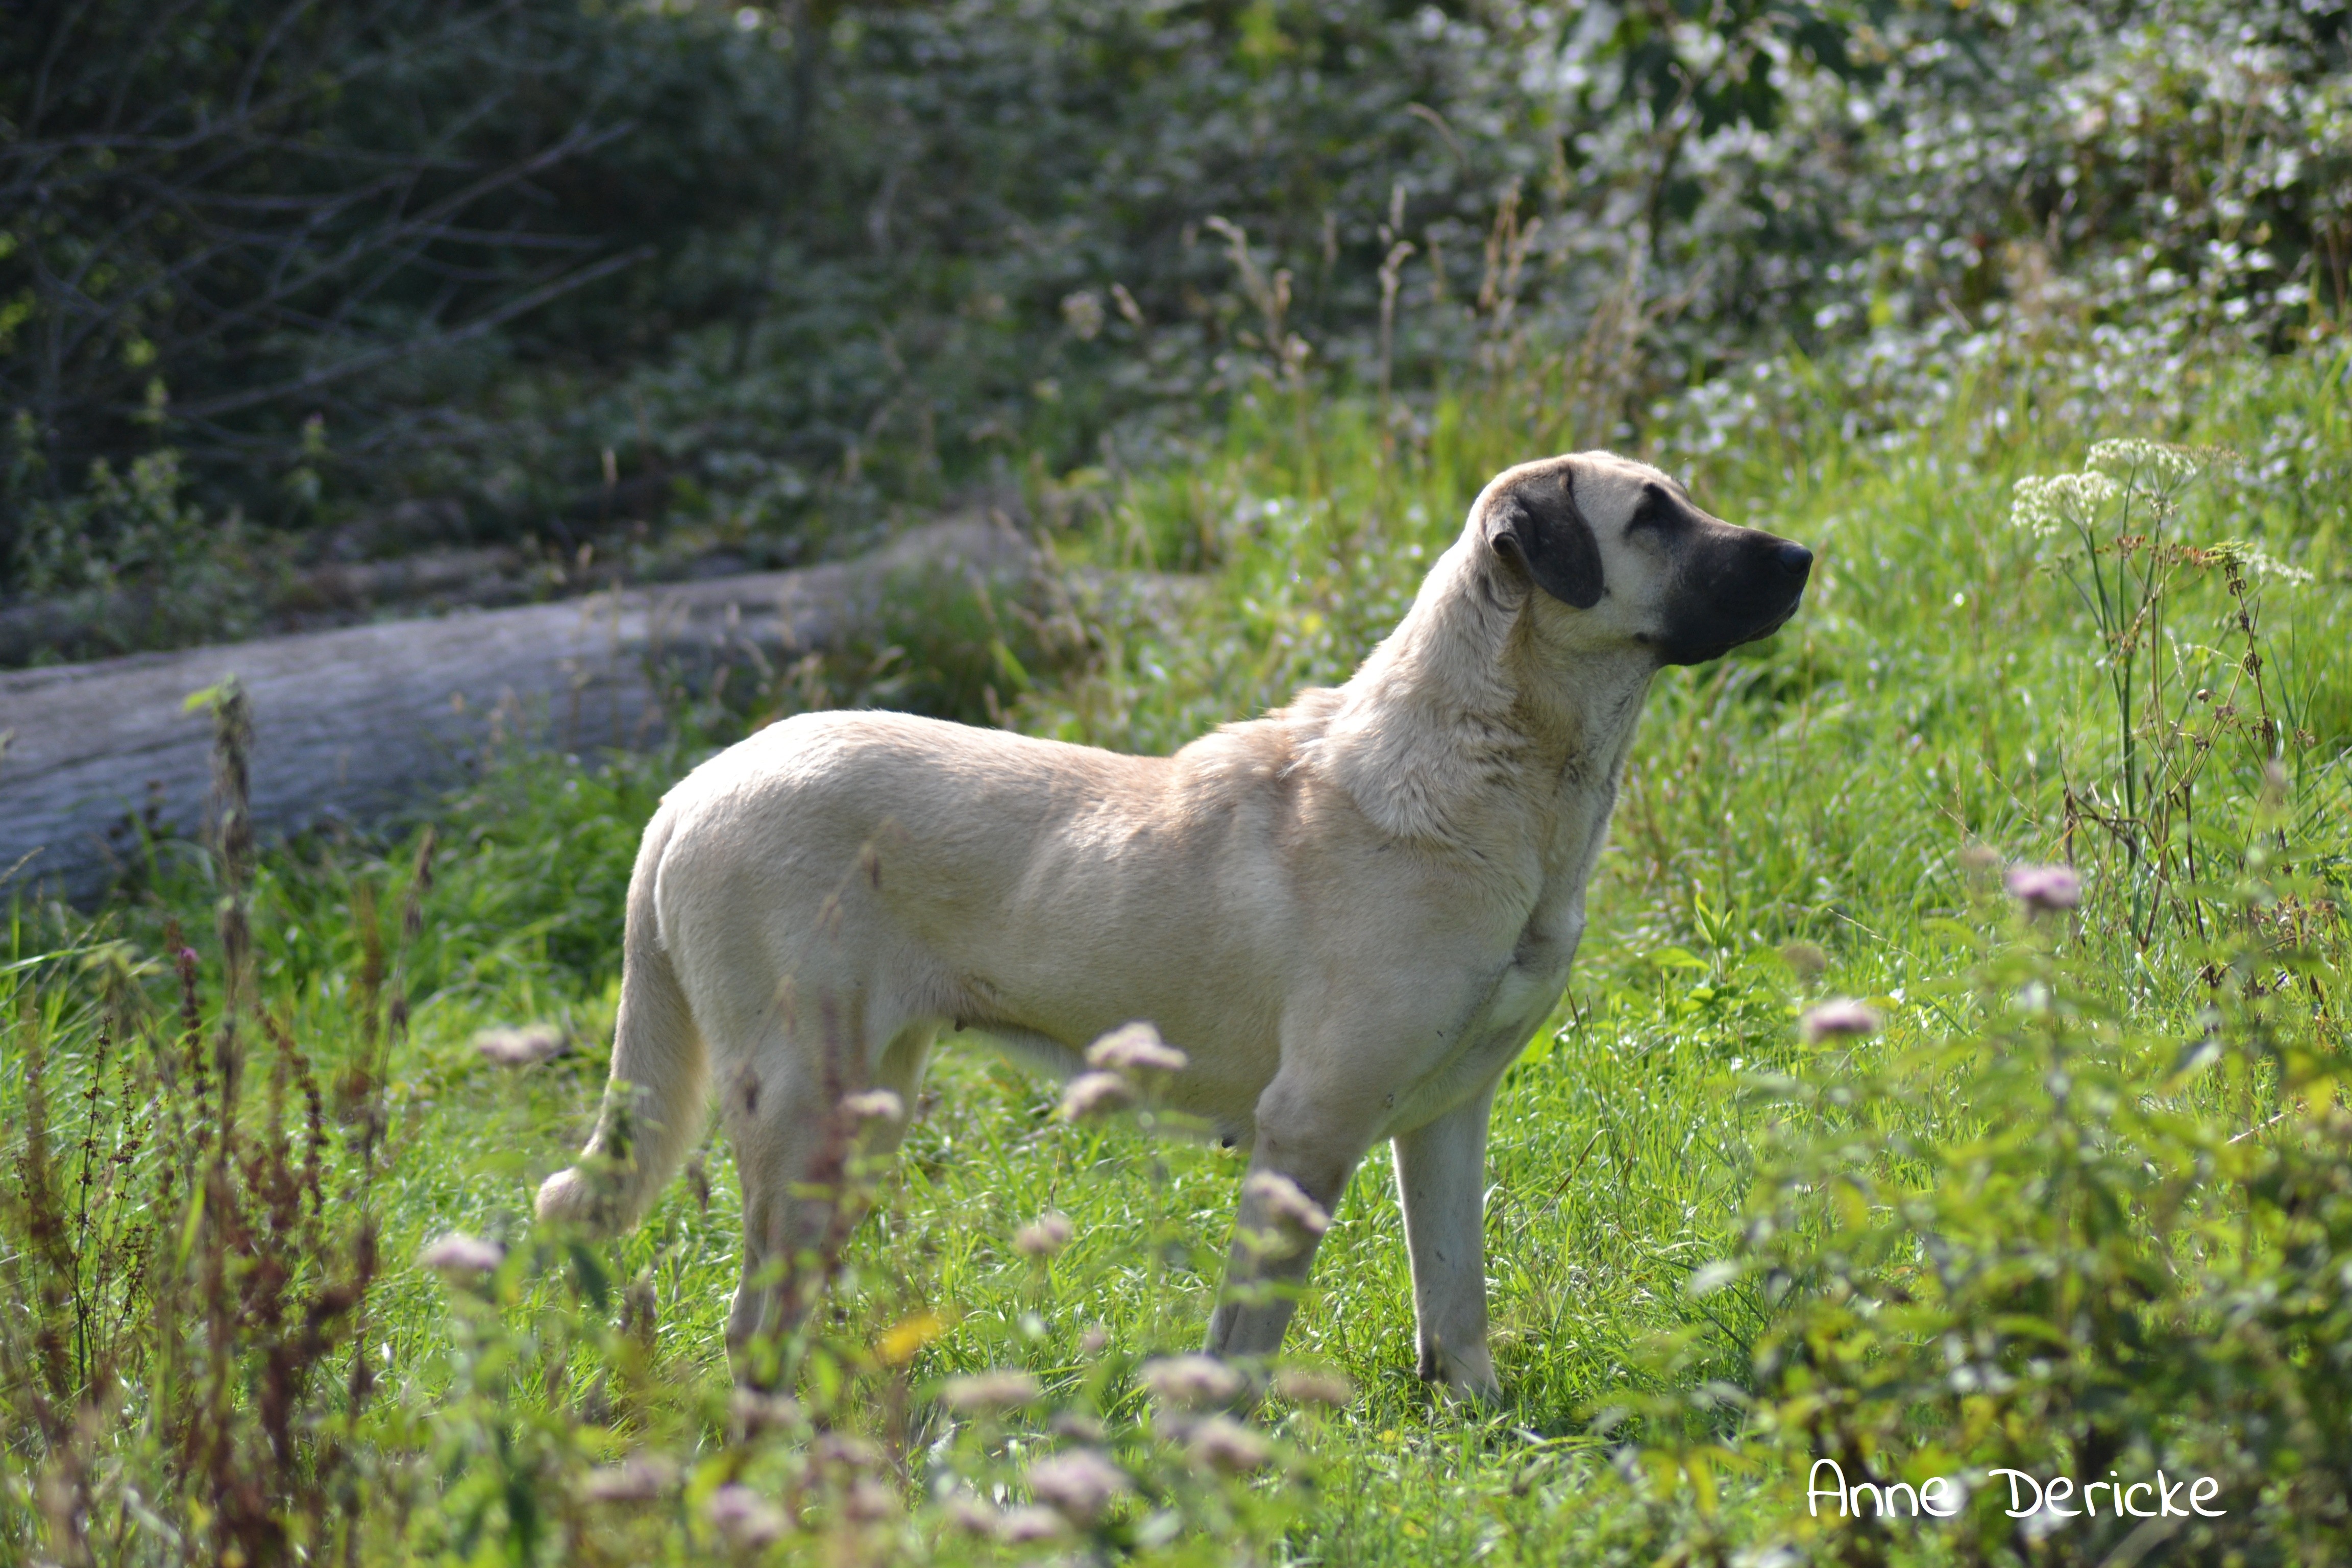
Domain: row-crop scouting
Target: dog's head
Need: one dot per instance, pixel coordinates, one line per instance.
(1614, 552)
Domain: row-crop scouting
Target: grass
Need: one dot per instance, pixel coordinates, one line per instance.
(1796, 824)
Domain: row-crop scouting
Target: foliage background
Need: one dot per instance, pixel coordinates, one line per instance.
(375, 274)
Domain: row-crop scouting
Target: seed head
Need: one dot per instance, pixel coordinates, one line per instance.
(875, 1105)
(1079, 1484)
(1191, 1382)
(1222, 1443)
(755, 1412)
(745, 1519)
(640, 1479)
(1042, 1236)
(1021, 1526)
(974, 1517)
(458, 1256)
(1092, 1094)
(1312, 1386)
(1003, 1389)
(868, 1501)
(2046, 889)
(1806, 958)
(520, 1048)
(1285, 1204)
(1841, 1019)
(1136, 1050)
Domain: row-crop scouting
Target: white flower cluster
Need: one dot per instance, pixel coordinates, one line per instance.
(2145, 465)
(2260, 562)
(2040, 503)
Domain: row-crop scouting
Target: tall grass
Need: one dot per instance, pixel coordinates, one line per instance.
(1810, 818)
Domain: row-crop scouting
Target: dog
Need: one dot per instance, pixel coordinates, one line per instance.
(1349, 915)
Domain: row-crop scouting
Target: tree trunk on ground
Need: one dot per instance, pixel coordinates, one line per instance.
(358, 723)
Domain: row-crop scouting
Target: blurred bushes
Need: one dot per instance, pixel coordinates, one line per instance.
(396, 271)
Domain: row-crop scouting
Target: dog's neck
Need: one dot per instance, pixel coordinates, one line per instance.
(1444, 728)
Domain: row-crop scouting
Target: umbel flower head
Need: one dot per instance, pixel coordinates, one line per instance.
(2040, 504)
(2150, 465)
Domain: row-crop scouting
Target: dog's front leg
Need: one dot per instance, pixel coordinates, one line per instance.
(1442, 1179)
(1307, 1145)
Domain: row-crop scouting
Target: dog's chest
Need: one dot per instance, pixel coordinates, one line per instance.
(1479, 1048)
(1526, 983)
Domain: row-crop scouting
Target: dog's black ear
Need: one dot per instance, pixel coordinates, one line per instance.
(1539, 528)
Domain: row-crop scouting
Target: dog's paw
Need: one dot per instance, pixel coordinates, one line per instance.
(1468, 1375)
(567, 1197)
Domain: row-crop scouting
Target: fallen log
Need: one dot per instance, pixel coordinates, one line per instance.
(358, 723)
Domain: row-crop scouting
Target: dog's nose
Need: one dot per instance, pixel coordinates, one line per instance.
(1794, 561)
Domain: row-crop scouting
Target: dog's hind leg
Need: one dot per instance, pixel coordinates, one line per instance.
(809, 1142)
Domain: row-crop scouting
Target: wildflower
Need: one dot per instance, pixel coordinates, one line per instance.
(874, 1105)
(746, 1520)
(2152, 465)
(1134, 1050)
(1311, 1386)
(458, 1256)
(1079, 1484)
(1096, 1094)
(1190, 1382)
(1285, 1204)
(847, 1451)
(1042, 1236)
(868, 1501)
(755, 1412)
(1221, 1443)
(1082, 313)
(974, 1517)
(2038, 505)
(1020, 1526)
(2046, 889)
(1095, 1341)
(1806, 958)
(1843, 1018)
(1078, 1424)
(640, 1478)
(1003, 1389)
(521, 1047)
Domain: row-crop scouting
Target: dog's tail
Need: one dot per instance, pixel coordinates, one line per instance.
(654, 1105)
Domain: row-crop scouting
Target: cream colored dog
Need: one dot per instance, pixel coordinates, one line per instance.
(1351, 914)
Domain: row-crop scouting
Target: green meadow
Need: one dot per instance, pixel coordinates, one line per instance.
(2078, 1205)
